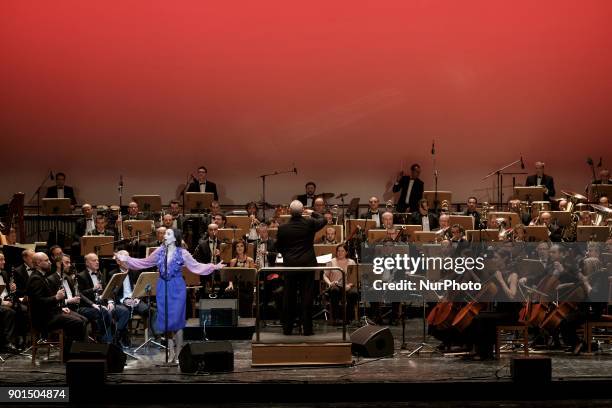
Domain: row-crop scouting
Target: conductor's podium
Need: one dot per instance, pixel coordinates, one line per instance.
(328, 346)
(276, 349)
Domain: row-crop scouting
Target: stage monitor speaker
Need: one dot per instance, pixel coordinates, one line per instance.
(113, 356)
(531, 369)
(209, 356)
(372, 341)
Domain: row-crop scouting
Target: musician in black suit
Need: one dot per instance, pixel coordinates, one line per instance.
(374, 212)
(8, 314)
(209, 250)
(309, 198)
(411, 189)
(472, 202)
(46, 309)
(61, 190)
(541, 179)
(295, 243)
(22, 273)
(202, 185)
(91, 285)
(424, 217)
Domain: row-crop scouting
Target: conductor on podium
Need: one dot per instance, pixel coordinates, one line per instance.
(295, 243)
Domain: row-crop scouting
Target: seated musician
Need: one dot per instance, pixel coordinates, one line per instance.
(308, 198)
(158, 240)
(457, 237)
(560, 264)
(134, 212)
(319, 205)
(472, 202)
(514, 205)
(482, 329)
(175, 211)
(443, 230)
(66, 279)
(251, 209)
(56, 257)
(424, 217)
(519, 232)
(330, 236)
(22, 273)
(102, 227)
(245, 290)
(215, 208)
(603, 200)
(209, 251)
(47, 314)
(85, 225)
(334, 282)
(374, 212)
(61, 190)
(123, 295)
(220, 220)
(91, 286)
(329, 217)
(554, 231)
(562, 204)
(11, 237)
(585, 219)
(8, 315)
(202, 185)
(387, 220)
(541, 179)
(604, 177)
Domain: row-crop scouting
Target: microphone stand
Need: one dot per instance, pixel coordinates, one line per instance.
(500, 175)
(263, 188)
(37, 194)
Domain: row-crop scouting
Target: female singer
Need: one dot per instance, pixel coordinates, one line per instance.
(170, 259)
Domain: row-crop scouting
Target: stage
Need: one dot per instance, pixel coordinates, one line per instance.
(428, 376)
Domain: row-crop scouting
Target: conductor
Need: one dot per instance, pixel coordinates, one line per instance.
(295, 241)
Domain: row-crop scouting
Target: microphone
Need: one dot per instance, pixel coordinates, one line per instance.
(522, 163)
(295, 171)
(51, 176)
(433, 147)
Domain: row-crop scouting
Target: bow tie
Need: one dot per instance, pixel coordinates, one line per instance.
(94, 273)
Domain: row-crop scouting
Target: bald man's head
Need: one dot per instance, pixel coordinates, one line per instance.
(41, 261)
(296, 207)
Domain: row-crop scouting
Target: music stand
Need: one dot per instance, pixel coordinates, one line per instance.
(410, 230)
(56, 206)
(146, 286)
(597, 233)
(532, 193)
(101, 245)
(536, 233)
(241, 222)
(137, 228)
(115, 282)
(601, 190)
(322, 232)
(563, 217)
(148, 202)
(511, 218)
(235, 274)
(426, 236)
(365, 225)
(324, 249)
(230, 234)
(376, 235)
(486, 235)
(200, 202)
(431, 197)
(466, 221)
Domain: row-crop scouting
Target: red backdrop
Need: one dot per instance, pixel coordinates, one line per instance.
(347, 90)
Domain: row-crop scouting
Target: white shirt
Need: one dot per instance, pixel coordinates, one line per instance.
(410, 184)
(89, 226)
(60, 192)
(67, 289)
(425, 222)
(4, 291)
(309, 201)
(376, 217)
(538, 181)
(203, 187)
(94, 278)
(127, 288)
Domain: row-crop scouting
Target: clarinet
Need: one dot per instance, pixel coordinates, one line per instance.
(13, 294)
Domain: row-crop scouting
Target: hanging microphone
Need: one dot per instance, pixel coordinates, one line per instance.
(295, 171)
(433, 147)
(522, 163)
(121, 180)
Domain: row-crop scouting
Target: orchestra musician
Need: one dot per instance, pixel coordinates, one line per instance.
(333, 280)
(102, 227)
(45, 305)
(424, 217)
(472, 202)
(308, 198)
(251, 209)
(265, 255)
(22, 273)
(61, 190)
(542, 179)
(604, 177)
(319, 205)
(209, 251)
(242, 260)
(8, 316)
(374, 212)
(177, 218)
(91, 285)
(202, 185)
(411, 189)
(330, 237)
(443, 230)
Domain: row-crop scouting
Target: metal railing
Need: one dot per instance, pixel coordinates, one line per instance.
(301, 269)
